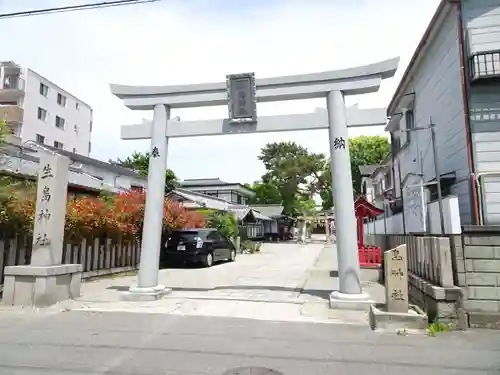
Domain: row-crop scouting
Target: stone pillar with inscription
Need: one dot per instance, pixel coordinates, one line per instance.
(48, 233)
(46, 280)
(397, 313)
(396, 279)
(350, 295)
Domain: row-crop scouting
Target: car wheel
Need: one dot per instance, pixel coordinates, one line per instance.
(209, 260)
(232, 255)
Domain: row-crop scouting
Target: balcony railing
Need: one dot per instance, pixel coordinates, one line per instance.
(13, 83)
(11, 113)
(484, 65)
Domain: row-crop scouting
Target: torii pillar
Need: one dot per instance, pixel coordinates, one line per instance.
(333, 85)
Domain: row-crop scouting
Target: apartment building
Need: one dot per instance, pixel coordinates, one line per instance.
(36, 109)
(452, 85)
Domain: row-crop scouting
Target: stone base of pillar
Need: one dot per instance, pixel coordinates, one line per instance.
(342, 301)
(329, 245)
(145, 294)
(41, 286)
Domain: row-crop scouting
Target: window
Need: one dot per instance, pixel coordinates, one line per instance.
(42, 114)
(409, 124)
(215, 236)
(44, 89)
(234, 197)
(388, 179)
(395, 143)
(91, 126)
(238, 198)
(77, 105)
(61, 100)
(90, 147)
(60, 122)
(40, 139)
(410, 120)
(58, 145)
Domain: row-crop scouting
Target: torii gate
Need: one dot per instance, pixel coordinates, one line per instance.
(333, 85)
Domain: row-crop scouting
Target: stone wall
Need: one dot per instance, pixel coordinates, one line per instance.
(478, 270)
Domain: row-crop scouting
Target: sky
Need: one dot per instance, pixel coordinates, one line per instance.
(194, 41)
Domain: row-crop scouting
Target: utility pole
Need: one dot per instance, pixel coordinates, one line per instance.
(402, 197)
(438, 175)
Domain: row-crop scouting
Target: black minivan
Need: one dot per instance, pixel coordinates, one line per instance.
(201, 245)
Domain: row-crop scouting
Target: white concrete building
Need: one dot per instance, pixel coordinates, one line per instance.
(38, 110)
(85, 172)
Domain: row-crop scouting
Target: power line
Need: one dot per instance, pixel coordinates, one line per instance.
(73, 8)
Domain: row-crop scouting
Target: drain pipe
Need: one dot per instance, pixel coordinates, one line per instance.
(465, 99)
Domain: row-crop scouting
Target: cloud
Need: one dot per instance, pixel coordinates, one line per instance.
(192, 41)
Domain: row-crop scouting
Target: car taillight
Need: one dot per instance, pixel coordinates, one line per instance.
(199, 243)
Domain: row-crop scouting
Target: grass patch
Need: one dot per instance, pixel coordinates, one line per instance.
(436, 327)
(250, 247)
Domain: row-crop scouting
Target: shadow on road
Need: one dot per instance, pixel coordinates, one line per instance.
(311, 292)
(181, 265)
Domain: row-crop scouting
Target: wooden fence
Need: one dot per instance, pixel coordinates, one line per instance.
(97, 256)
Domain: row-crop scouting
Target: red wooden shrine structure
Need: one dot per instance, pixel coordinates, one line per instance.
(369, 256)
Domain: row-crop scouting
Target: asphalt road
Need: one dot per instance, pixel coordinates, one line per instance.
(94, 343)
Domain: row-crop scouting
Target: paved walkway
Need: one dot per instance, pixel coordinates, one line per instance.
(284, 282)
(265, 286)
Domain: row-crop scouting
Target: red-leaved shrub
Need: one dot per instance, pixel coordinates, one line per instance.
(119, 215)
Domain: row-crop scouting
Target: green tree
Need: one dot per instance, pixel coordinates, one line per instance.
(139, 162)
(265, 193)
(304, 205)
(363, 150)
(4, 131)
(225, 222)
(293, 170)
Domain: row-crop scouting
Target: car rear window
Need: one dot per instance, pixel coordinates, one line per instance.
(186, 236)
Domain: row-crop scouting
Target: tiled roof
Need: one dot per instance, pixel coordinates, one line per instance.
(97, 163)
(242, 212)
(205, 182)
(367, 170)
(215, 181)
(201, 199)
(269, 210)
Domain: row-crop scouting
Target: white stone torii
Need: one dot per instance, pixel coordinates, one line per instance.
(333, 85)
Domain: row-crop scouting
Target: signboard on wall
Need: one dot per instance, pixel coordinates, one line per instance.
(415, 205)
(241, 95)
